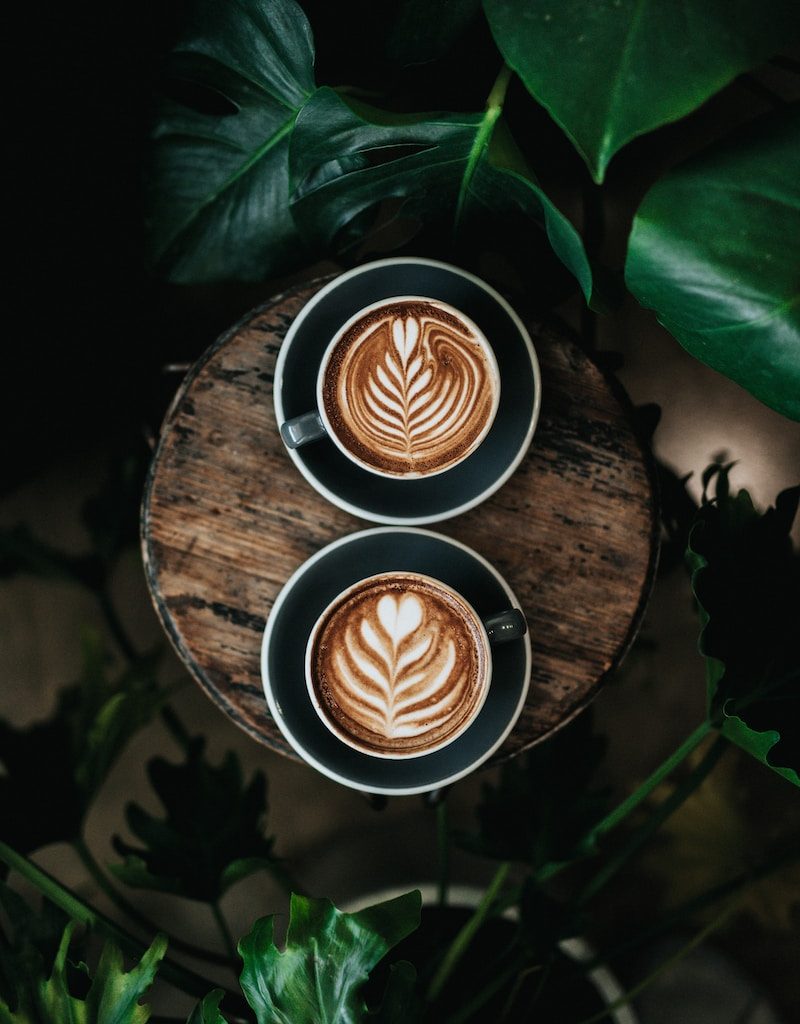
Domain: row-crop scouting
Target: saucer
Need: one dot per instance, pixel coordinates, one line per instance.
(315, 584)
(409, 502)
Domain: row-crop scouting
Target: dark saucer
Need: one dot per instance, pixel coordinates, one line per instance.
(307, 593)
(409, 502)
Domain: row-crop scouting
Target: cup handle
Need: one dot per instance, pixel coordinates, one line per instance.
(507, 625)
(302, 429)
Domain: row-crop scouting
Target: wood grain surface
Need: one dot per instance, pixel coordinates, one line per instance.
(227, 518)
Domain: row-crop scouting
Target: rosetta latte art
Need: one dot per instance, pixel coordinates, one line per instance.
(399, 669)
(413, 390)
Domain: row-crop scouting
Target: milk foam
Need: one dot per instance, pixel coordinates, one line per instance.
(412, 389)
(399, 665)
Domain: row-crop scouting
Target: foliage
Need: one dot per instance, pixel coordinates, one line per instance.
(111, 996)
(212, 835)
(328, 954)
(734, 822)
(608, 72)
(258, 168)
(714, 252)
(746, 578)
(220, 202)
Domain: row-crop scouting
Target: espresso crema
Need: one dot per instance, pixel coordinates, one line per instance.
(409, 389)
(399, 665)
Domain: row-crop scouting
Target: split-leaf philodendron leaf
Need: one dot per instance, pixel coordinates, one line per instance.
(714, 251)
(220, 198)
(609, 70)
(746, 578)
(346, 158)
(213, 832)
(113, 995)
(328, 955)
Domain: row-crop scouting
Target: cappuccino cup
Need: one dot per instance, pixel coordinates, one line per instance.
(399, 664)
(408, 388)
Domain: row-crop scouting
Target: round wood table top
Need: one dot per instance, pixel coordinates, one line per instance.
(227, 518)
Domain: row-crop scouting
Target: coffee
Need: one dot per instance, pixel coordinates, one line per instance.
(410, 388)
(398, 665)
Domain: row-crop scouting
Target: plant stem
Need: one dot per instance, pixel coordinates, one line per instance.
(181, 977)
(697, 903)
(133, 913)
(224, 930)
(630, 803)
(483, 136)
(655, 779)
(654, 821)
(684, 951)
(443, 849)
(461, 942)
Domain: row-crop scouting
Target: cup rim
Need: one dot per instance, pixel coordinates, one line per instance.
(486, 347)
(486, 682)
(400, 520)
(322, 767)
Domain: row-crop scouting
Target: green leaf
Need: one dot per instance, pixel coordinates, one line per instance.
(520, 819)
(346, 158)
(54, 768)
(112, 998)
(327, 958)
(207, 1011)
(713, 251)
(33, 939)
(219, 199)
(212, 834)
(609, 71)
(746, 578)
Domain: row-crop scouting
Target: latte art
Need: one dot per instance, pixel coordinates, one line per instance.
(411, 389)
(399, 665)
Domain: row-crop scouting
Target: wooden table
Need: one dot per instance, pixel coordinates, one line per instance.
(227, 518)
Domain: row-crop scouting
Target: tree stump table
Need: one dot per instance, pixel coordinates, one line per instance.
(227, 518)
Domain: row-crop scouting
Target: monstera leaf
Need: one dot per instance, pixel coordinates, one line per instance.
(713, 251)
(746, 578)
(54, 768)
(212, 835)
(219, 204)
(346, 158)
(608, 72)
(112, 997)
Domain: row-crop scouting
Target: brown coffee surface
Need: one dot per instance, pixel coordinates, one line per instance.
(399, 665)
(409, 389)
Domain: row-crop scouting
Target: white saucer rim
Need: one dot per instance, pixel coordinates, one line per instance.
(277, 714)
(471, 503)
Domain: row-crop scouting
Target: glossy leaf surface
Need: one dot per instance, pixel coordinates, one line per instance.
(609, 70)
(113, 996)
(346, 159)
(317, 977)
(714, 251)
(219, 199)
